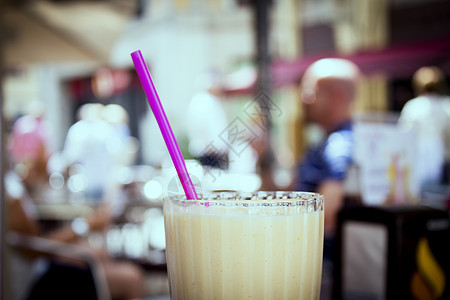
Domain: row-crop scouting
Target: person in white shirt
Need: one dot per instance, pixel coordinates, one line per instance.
(428, 115)
(206, 123)
(95, 144)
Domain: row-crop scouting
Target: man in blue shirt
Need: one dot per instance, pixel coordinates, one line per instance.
(328, 90)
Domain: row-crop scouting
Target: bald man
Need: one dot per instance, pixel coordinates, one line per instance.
(328, 89)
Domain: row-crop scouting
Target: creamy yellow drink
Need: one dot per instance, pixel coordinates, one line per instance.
(245, 247)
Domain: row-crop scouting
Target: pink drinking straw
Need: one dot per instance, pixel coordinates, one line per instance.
(164, 126)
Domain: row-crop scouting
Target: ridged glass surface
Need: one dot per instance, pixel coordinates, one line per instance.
(245, 246)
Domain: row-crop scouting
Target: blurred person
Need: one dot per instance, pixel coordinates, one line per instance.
(206, 121)
(428, 114)
(60, 278)
(90, 143)
(30, 145)
(328, 89)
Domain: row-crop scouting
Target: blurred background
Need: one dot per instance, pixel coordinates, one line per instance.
(64, 61)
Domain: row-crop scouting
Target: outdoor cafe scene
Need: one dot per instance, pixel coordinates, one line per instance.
(225, 149)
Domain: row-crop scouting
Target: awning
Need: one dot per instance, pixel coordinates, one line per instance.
(395, 61)
(28, 41)
(72, 31)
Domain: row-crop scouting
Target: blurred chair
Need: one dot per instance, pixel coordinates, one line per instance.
(53, 250)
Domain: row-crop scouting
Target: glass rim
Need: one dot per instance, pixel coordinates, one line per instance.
(263, 198)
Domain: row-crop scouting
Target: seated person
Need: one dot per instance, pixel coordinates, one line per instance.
(124, 279)
(61, 280)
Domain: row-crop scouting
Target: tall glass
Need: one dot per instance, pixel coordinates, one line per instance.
(265, 245)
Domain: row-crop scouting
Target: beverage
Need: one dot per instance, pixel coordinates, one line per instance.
(245, 246)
